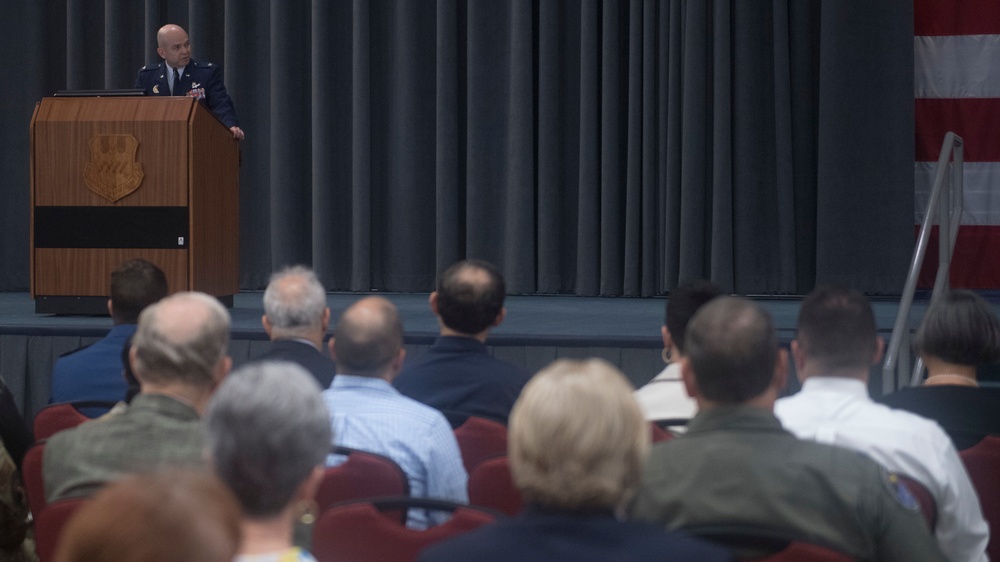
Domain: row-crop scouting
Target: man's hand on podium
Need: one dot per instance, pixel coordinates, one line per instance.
(237, 133)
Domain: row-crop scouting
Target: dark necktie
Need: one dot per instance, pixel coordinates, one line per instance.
(177, 84)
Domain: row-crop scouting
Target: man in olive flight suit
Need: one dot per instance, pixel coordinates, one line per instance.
(736, 466)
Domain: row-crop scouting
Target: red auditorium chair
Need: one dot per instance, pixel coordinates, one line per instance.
(31, 471)
(982, 461)
(363, 475)
(778, 545)
(928, 507)
(491, 486)
(359, 532)
(56, 417)
(480, 438)
(49, 524)
(658, 433)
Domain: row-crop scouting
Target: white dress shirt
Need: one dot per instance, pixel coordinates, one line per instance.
(665, 398)
(838, 411)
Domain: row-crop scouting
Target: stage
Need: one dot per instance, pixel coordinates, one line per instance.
(537, 330)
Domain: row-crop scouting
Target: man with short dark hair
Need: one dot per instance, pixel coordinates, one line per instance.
(737, 467)
(296, 318)
(835, 347)
(369, 414)
(457, 375)
(94, 372)
(179, 356)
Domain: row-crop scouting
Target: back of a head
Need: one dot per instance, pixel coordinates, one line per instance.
(368, 337)
(683, 303)
(173, 516)
(836, 330)
(577, 439)
(294, 301)
(267, 429)
(960, 328)
(733, 348)
(470, 295)
(181, 339)
(135, 284)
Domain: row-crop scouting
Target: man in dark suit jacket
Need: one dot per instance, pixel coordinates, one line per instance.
(180, 75)
(94, 372)
(296, 318)
(457, 375)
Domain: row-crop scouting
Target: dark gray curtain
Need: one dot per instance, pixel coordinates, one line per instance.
(611, 147)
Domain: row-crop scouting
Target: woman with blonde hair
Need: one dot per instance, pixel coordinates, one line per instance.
(577, 446)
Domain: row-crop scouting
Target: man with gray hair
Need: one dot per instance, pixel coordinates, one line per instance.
(179, 357)
(296, 318)
(369, 414)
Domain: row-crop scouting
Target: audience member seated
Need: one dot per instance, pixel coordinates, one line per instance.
(369, 414)
(736, 466)
(664, 397)
(15, 522)
(176, 516)
(958, 333)
(94, 372)
(14, 433)
(179, 356)
(835, 347)
(577, 471)
(457, 375)
(296, 318)
(268, 434)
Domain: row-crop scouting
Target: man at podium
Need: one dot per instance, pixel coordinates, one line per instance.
(179, 75)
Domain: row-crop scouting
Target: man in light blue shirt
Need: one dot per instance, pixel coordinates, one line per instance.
(369, 414)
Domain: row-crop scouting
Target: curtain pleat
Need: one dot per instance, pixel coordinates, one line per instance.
(591, 147)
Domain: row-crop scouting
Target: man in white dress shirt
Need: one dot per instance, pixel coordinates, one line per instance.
(834, 349)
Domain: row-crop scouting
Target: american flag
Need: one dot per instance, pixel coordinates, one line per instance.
(956, 48)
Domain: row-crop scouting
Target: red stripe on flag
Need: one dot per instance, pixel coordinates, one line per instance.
(975, 263)
(976, 120)
(951, 17)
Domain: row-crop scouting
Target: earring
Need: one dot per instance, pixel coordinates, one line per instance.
(309, 510)
(666, 355)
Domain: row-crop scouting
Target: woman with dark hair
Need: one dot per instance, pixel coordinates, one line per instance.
(959, 333)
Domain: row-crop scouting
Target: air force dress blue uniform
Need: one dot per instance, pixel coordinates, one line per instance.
(202, 80)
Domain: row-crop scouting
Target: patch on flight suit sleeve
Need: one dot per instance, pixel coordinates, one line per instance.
(899, 491)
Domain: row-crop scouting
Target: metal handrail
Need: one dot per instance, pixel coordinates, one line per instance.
(952, 149)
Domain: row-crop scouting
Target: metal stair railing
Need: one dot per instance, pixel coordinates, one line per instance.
(946, 193)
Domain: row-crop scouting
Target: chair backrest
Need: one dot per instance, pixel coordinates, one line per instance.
(358, 532)
(758, 543)
(491, 485)
(56, 417)
(658, 433)
(800, 551)
(928, 507)
(31, 472)
(982, 461)
(49, 524)
(480, 438)
(363, 475)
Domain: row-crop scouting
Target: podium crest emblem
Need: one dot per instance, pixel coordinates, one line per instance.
(112, 171)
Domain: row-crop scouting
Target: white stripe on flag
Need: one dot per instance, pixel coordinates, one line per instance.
(956, 66)
(981, 203)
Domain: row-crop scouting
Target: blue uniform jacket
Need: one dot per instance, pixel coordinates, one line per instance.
(201, 79)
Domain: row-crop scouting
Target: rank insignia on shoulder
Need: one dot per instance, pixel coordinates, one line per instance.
(156, 89)
(900, 492)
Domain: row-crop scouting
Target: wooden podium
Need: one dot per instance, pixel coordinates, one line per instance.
(115, 178)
